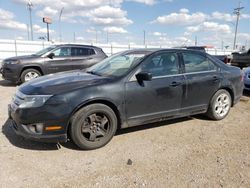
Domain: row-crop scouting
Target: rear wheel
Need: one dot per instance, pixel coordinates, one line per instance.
(29, 74)
(93, 126)
(220, 105)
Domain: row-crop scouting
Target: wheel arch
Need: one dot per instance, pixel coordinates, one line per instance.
(38, 68)
(230, 91)
(97, 101)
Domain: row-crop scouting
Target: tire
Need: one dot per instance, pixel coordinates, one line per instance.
(93, 126)
(219, 105)
(29, 74)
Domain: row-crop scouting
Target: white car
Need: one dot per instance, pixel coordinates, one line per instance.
(247, 78)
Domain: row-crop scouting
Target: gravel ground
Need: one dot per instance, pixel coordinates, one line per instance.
(187, 152)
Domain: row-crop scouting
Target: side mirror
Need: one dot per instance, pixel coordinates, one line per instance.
(143, 76)
(51, 55)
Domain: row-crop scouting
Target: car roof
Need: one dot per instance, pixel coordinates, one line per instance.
(154, 50)
(77, 45)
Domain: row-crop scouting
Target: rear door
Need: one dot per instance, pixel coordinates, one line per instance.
(83, 57)
(61, 61)
(203, 79)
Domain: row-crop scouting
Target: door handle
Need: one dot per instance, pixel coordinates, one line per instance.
(89, 58)
(216, 78)
(175, 84)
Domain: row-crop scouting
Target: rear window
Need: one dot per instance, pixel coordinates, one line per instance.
(76, 51)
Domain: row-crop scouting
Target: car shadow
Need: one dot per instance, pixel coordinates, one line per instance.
(7, 83)
(246, 93)
(23, 143)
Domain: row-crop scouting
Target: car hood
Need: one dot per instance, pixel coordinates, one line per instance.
(61, 82)
(21, 58)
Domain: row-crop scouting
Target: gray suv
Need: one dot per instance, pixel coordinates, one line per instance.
(53, 59)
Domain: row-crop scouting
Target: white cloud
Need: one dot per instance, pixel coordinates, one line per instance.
(108, 11)
(210, 26)
(181, 18)
(158, 34)
(227, 17)
(223, 16)
(147, 2)
(40, 30)
(111, 16)
(47, 12)
(7, 21)
(245, 16)
(184, 11)
(115, 30)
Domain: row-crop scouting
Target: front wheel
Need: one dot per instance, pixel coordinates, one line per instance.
(29, 74)
(93, 126)
(220, 105)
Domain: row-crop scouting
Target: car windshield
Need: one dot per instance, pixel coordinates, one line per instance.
(44, 51)
(117, 65)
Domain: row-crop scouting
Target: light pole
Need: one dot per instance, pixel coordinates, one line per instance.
(30, 6)
(144, 37)
(60, 31)
(237, 12)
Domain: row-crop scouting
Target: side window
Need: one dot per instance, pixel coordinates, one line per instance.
(76, 51)
(162, 64)
(197, 63)
(62, 52)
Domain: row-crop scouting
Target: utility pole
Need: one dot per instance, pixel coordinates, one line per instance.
(30, 6)
(60, 31)
(196, 42)
(237, 13)
(28, 32)
(107, 37)
(95, 36)
(144, 37)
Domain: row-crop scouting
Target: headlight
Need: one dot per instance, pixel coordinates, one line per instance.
(32, 101)
(12, 62)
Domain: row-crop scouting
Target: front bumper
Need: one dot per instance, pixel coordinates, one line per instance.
(11, 72)
(20, 125)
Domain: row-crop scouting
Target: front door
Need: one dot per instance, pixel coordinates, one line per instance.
(61, 60)
(159, 98)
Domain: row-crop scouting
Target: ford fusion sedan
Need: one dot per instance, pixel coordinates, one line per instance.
(53, 59)
(128, 89)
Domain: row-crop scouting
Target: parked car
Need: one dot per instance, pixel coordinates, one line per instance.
(247, 78)
(127, 89)
(50, 60)
(241, 59)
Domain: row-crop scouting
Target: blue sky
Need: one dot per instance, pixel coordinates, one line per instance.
(165, 22)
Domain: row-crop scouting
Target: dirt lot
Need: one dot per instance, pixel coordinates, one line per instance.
(187, 152)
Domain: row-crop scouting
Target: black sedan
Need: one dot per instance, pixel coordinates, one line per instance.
(128, 89)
